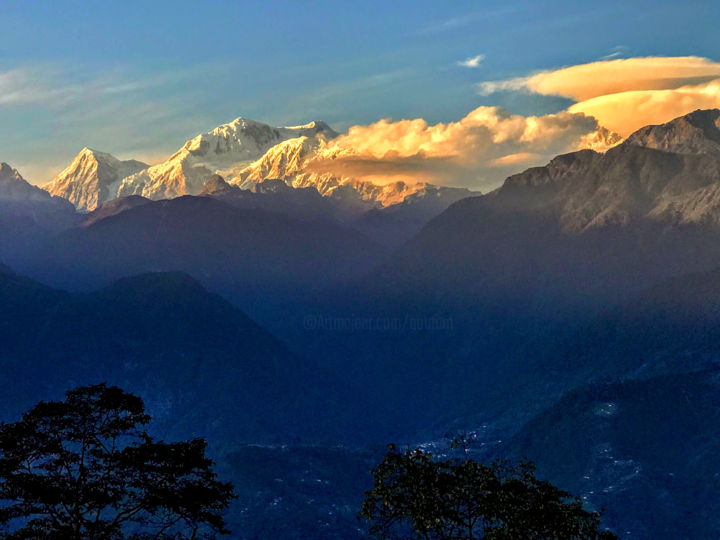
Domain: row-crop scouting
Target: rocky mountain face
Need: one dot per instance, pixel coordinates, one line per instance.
(15, 190)
(668, 173)
(587, 227)
(694, 133)
(293, 162)
(630, 182)
(92, 178)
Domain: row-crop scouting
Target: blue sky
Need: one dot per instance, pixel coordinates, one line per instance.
(139, 78)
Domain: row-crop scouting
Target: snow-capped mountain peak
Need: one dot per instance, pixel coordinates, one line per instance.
(92, 178)
(225, 150)
(243, 151)
(291, 161)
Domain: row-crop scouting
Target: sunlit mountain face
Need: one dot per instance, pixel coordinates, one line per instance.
(303, 233)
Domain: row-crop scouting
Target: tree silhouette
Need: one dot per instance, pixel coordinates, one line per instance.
(417, 496)
(85, 468)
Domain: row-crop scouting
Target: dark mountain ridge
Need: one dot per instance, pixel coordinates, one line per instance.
(203, 367)
(252, 256)
(29, 216)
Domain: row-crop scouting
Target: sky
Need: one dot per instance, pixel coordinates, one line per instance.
(482, 88)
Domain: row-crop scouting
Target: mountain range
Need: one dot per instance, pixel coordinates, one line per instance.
(244, 152)
(302, 320)
(251, 255)
(587, 228)
(231, 381)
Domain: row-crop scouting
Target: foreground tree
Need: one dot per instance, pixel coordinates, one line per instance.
(417, 496)
(85, 468)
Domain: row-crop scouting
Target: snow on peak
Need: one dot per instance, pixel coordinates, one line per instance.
(225, 150)
(244, 151)
(317, 126)
(282, 161)
(291, 161)
(92, 178)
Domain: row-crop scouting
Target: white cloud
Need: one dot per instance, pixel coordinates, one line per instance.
(464, 20)
(616, 52)
(109, 109)
(472, 62)
(506, 85)
(27, 86)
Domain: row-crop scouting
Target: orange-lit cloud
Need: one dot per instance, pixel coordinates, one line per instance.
(625, 112)
(626, 94)
(614, 96)
(586, 81)
(479, 150)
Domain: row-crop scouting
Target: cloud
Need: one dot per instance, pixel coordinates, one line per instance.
(472, 62)
(626, 94)
(478, 151)
(53, 87)
(616, 52)
(464, 20)
(626, 112)
(26, 87)
(71, 106)
(586, 81)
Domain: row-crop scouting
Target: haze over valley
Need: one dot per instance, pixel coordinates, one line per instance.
(458, 238)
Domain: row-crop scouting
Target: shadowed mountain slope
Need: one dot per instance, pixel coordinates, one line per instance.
(645, 450)
(203, 367)
(249, 255)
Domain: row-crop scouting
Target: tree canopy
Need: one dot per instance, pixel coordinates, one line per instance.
(415, 495)
(86, 468)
